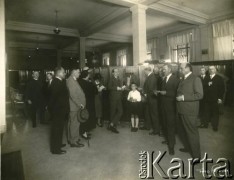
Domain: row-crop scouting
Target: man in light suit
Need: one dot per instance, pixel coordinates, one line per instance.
(151, 85)
(189, 93)
(77, 101)
(168, 103)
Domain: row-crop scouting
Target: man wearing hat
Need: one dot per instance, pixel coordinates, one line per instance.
(77, 102)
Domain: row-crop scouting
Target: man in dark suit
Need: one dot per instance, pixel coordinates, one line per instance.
(34, 98)
(115, 87)
(214, 93)
(59, 109)
(203, 78)
(152, 114)
(46, 93)
(168, 103)
(189, 93)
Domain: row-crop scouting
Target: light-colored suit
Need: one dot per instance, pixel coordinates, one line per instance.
(192, 90)
(76, 99)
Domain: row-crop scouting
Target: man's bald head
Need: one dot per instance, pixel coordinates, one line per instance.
(75, 73)
(212, 70)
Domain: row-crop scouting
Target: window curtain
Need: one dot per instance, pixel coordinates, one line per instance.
(106, 59)
(222, 39)
(151, 48)
(180, 38)
(121, 57)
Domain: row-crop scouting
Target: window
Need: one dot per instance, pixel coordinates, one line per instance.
(180, 46)
(106, 59)
(149, 50)
(181, 53)
(122, 57)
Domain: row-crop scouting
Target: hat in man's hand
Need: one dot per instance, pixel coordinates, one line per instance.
(83, 115)
(86, 68)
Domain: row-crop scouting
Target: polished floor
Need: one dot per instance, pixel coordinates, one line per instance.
(109, 156)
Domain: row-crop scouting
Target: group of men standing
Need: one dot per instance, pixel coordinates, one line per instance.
(173, 103)
(168, 97)
(63, 99)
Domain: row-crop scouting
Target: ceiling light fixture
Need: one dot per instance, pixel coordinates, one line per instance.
(56, 29)
(37, 45)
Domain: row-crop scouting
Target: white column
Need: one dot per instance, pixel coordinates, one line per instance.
(139, 33)
(2, 69)
(82, 52)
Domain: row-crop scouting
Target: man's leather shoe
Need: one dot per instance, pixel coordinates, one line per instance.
(78, 145)
(171, 152)
(144, 128)
(153, 133)
(184, 150)
(203, 126)
(114, 130)
(59, 152)
(164, 142)
(63, 145)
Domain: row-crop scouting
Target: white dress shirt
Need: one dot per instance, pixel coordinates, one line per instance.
(59, 78)
(211, 76)
(187, 75)
(168, 76)
(134, 95)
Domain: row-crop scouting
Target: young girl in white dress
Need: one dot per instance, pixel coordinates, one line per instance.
(134, 98)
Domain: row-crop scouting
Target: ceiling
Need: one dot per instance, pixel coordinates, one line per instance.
(209, 7)
(101, 21)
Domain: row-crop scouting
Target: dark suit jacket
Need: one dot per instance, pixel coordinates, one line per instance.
(46, 91)
(215, 90)
(192, 90)
(90, 90)
(59, 97)
(151, 84)
(112, 87)
(203, 80)
(34, 92)
(170, 87)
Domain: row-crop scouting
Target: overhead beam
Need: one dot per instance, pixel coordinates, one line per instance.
(30, 45)
(130, 3)
(168, 30)
(39, 28)
(169, 8)
(111, 37)
(181, 12)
